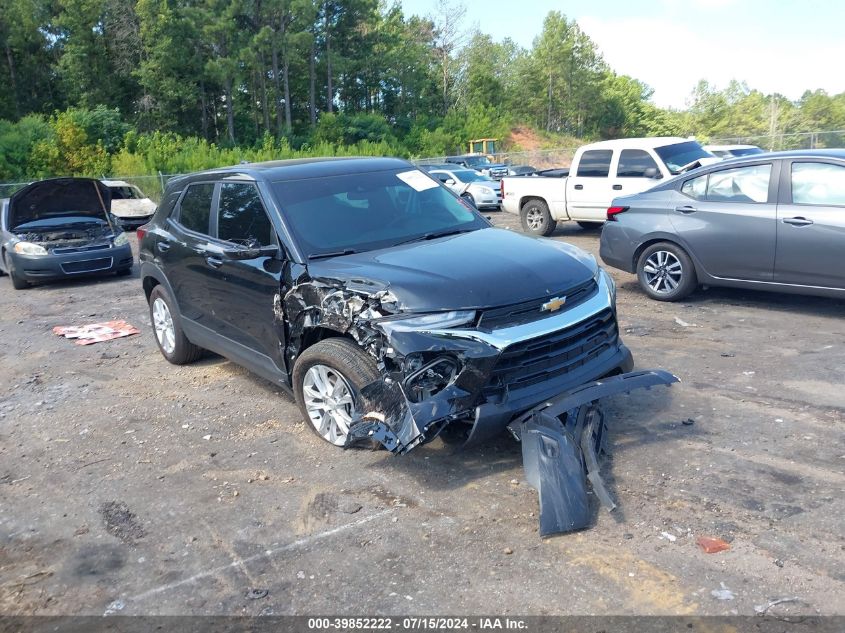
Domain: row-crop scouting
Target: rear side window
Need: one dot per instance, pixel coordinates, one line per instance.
(242, 218)
(818, 183)
(595, 163)
(695, 188)
(633, 163)
(195, 209)
(743, 184)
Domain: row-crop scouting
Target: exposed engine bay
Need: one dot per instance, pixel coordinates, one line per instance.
(72, 235)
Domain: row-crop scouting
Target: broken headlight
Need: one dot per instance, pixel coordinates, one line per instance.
(431, 378)
(120, 239)
(438, 320)
(28, 248)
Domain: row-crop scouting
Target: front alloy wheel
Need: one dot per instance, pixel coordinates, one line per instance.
(327, 397)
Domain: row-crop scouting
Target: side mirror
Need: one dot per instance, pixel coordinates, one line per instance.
(652, 172)
(449, 181)
(252, 253)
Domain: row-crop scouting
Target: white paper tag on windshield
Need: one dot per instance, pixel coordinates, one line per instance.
(417, 180)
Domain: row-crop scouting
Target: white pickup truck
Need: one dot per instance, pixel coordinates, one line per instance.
(599, 173)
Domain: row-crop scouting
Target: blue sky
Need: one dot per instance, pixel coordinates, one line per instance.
(784, 46)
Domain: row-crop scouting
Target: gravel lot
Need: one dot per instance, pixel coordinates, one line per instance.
(131, 486)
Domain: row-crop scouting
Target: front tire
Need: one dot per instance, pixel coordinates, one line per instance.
(327, 382)
(536, 218)
(666, 272)
(171, 340)
(18, 282)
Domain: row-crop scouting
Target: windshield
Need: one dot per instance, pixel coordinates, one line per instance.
(680, 154)
(125, 193)
(467, 175)
(364, 212)
(477, 161)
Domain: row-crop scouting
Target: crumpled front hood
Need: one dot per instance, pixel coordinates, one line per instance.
(482, 269)
(58, 197)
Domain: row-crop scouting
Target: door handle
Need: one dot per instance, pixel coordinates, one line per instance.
(617, 187)
(579, 187)
(214, 262)
(686, 209)
(799, 221)
(163, 246)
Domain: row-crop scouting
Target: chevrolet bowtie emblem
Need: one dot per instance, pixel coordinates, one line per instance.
(553, 305)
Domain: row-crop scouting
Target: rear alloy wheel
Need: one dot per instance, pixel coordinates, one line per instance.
(536, 218)
(666, 272)
(172, 342)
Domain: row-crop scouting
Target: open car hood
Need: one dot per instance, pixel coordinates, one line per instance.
(58, 197)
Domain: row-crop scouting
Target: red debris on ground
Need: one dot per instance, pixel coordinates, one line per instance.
(97, 332)
(711, 545)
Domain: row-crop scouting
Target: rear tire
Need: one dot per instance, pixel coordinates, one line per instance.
(324, 376)
(666, 272)
(18, 282)
(167, 328)
(536, 218)
(468, 197)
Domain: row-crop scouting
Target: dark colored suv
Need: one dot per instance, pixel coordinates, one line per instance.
(374, 294)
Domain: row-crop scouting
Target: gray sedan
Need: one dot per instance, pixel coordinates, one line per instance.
(768, 222)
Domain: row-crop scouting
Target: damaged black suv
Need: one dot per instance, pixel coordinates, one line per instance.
(388, 306)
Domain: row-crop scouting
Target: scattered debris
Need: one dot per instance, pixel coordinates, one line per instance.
(627, 536)
(712, 545)
(206, 437)
(256, 594)
(300, 575)
(114, 607)
(508, 550)
(683, 323)
(778, 562)
(688, 422)
(120, 522)
(668, 536)
(728, 355)
(723, 594)
(349, 507)
(96, 332)
(761, 609)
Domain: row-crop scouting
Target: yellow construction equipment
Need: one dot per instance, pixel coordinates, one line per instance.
(485, 146)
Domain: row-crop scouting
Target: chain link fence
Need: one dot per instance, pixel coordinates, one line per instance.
(153, 186)
(792, 140)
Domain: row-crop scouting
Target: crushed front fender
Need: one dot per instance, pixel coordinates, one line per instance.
(561, 440)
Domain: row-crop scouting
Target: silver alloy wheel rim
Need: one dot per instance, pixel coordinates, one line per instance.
(163, 326)
(534, 219)
(663, 272)
(328, 401)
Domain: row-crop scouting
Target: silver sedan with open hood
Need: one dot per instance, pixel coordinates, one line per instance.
(59, 228)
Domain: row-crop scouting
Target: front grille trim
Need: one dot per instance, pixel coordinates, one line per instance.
(553, 355)
(529, 311)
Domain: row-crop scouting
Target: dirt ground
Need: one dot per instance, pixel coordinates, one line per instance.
(131, 486)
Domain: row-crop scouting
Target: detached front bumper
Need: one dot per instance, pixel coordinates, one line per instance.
(74, 264)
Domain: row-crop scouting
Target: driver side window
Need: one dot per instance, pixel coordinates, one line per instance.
(241, 216)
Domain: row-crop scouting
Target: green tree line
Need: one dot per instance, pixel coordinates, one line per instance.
(137, 86)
